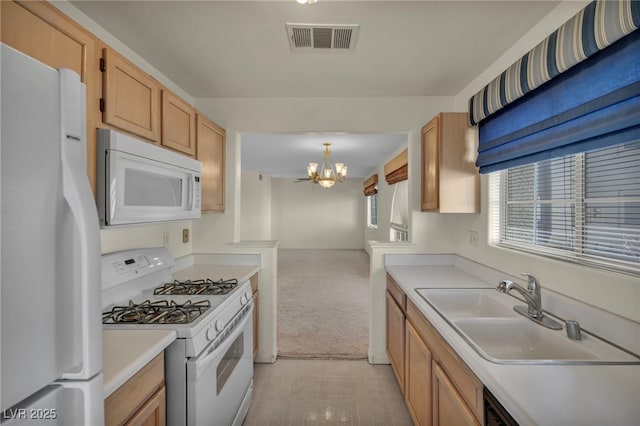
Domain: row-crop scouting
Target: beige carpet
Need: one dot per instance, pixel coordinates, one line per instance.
(323, 304)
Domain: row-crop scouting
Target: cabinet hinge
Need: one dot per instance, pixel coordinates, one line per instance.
(103, 65)
(102, 105)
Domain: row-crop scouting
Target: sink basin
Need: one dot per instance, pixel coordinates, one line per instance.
(469, 302)
(518, 339)
(485, 319)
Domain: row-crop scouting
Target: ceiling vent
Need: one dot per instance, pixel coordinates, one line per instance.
(322, 37)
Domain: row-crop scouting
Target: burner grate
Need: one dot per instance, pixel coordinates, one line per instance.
(160, 312)
(197, 287)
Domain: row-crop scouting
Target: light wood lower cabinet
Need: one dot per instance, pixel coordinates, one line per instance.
(153, 412)
(438, 387)
(449, 409)
(396, 339)
(141, 400)
(418, 378)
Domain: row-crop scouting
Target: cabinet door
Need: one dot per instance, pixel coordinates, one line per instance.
(41, 31)
(448, 406)
(131, 99)
(211, 152)
(152, 413)
(395, 339)
(418, 378)
(431, 165)
(178, 124)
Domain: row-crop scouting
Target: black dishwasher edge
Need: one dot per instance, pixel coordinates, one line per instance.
(494, 413)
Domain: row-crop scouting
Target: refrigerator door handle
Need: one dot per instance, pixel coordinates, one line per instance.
(78, 195)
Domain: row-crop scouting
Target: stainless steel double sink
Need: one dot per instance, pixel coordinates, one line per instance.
(485, 319)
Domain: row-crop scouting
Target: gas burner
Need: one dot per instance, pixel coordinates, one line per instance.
(159, 312)
(202, 287)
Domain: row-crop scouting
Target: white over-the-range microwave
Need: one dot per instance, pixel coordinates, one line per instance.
(138, 182)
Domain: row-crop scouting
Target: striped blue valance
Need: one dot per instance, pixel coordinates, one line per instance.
(598, 25)
(593, 105)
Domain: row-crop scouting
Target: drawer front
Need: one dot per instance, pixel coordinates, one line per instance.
(131, 396)
(397, 293)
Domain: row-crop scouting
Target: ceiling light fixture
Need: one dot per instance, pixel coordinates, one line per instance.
(307, 1)
(328, 174)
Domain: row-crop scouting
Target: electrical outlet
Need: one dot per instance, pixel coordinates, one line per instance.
(473, 238)
(185, 235)
(165, 239)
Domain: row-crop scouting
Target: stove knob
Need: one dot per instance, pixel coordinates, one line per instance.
(243, 300)
(219, 325)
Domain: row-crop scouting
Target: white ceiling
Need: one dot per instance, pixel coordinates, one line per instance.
(240, 48)
(361, 153)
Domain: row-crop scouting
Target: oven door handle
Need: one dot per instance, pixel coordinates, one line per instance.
(202, 364)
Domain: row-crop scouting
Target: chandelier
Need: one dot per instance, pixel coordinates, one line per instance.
(307, 1)
(328, 174)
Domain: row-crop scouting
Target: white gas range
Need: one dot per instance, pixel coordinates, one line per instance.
(209, 368)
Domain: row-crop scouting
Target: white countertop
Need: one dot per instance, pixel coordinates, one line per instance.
(124, 352)
(553, 395)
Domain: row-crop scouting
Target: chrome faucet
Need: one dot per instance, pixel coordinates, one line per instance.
(534, 301)
(531, 294)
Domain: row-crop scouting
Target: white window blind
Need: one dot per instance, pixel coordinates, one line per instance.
(584, 208)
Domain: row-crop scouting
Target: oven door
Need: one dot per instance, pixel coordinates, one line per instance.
(219, 378)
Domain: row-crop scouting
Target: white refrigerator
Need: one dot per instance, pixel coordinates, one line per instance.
(51, 348)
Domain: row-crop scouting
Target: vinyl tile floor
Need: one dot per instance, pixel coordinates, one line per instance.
(326, 392)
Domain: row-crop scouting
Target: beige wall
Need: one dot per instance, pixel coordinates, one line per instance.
(255, 207)
(306, 216)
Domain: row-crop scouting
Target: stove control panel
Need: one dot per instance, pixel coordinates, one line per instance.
(131, 264)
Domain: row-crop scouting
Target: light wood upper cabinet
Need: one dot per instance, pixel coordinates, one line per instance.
(178, 124)
(418, 378)
(450, 179)
(131, 98)
(41, 31)
(211, 152)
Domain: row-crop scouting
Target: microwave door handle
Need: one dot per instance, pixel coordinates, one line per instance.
(189, 191)
(78, 195)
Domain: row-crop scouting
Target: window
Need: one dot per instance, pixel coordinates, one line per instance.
(400, 213)
(584, 208)
(372, 211)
